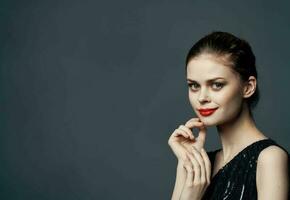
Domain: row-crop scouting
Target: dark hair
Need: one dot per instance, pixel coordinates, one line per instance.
(238, 54)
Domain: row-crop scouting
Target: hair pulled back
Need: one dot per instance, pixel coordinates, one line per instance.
(238, 54)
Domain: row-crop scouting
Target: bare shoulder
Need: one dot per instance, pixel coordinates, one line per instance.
(272, 154)
(272, 164)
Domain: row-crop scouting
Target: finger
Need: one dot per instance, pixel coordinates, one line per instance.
(194, 119)
(202, 133)
(202, 130)
(189, 174)
(187, 130)
(193, 123)
(196, 168)
(207, 164)
(178, 132)
(200, 161)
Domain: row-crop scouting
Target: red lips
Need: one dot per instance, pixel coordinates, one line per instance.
(207, 112)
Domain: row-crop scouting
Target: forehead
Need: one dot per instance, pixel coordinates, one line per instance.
(206, 67)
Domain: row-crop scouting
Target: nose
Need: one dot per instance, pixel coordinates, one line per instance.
(203, 96)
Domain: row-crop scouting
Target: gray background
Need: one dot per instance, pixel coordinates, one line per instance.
(91, 90)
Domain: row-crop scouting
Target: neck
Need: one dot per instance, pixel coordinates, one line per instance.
(238, 133)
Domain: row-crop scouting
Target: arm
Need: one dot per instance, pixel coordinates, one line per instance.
(179, 182)
(272, 174)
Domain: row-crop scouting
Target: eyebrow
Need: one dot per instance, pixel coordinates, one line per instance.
(209, 80)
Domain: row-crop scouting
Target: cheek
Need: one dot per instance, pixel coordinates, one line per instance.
(231, 104)
(192, 99)
(225, 99)
(229, 96)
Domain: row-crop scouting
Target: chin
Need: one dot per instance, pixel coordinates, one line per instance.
(214, 120)
(208, 121)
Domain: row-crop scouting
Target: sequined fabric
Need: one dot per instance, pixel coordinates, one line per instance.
(237, 179)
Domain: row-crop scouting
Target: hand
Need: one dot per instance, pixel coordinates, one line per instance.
(182, 139)
(198, 176)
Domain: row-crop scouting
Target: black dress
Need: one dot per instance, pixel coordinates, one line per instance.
(237, 179)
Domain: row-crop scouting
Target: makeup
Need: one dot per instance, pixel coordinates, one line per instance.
(207, 112)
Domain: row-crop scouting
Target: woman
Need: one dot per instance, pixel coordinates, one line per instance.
(222, 79)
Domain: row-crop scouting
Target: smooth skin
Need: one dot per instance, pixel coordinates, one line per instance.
(192, 182)
(236, 129)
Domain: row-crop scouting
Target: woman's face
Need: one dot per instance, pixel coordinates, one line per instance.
(213, 85)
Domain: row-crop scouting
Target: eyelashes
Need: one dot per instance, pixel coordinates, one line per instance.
(220, 85)
(217, 85)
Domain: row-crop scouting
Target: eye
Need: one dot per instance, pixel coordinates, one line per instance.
(192, 84)
(218, 85)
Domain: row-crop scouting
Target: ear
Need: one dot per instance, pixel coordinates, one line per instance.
(249, 87)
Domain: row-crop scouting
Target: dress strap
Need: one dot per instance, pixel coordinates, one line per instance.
(264, 144)
(250, 153)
